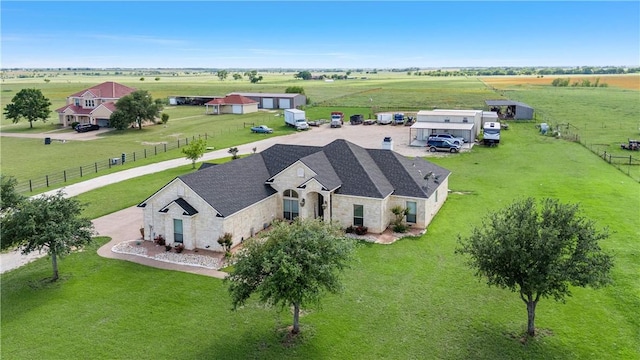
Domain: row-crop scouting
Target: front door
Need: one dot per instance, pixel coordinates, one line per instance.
(321, 206)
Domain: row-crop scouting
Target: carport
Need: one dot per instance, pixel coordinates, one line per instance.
(425, 129)
(507, 109)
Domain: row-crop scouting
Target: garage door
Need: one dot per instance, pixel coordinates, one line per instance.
(103, 122)
(285, 104)
(237, 109)
(267, 103)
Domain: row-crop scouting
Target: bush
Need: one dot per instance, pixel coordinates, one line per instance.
(361, 230)
(74, 124)
(167, 248)
(159, 240)
(400, 228)
(350, 229)
(179, 247)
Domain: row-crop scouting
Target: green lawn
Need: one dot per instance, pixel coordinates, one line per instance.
(414, 299)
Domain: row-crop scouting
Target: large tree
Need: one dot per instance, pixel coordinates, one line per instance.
(538, 251)
(29, 104)
(50, 223)
(304, 75)
(134, 109)
(9, 197)
(195, 150)
(294, 264)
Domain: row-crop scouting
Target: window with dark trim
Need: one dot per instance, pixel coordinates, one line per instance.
(358, 215)
(413, 211)
(177, 231)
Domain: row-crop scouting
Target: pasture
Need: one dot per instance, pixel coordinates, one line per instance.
(414, 299)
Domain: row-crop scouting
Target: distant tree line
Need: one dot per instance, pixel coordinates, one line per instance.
(530, 71)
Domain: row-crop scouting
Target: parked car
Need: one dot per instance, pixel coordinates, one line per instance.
(86, 127)
(435, 144)
(455, 140)
(356, 119)
(261, 129)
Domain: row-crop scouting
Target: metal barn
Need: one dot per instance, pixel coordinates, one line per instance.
(275, 101)
(508, 109)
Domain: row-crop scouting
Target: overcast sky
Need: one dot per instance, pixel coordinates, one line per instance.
(303, 34)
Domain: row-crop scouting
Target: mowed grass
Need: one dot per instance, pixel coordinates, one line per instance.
(414, 299)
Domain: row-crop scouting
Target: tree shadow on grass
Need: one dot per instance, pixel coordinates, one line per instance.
(511, 342)
(273, 343)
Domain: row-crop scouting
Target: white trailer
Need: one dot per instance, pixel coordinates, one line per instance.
(296, 118)
(385, 118)
(491, 133)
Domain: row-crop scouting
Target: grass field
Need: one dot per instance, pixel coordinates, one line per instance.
(414, 299)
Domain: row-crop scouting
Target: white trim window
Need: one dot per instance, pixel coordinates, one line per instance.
(290, 204)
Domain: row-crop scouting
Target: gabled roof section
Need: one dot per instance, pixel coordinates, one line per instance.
(358, 172)
(505, 103)
(409, 177)
(106, 90)
(278, 157)
(188, 209)
(231, 186)
(326, 175)
(232, 100)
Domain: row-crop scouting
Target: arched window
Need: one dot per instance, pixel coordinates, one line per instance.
(290, 204)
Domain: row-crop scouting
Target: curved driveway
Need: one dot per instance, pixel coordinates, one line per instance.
(125, 224)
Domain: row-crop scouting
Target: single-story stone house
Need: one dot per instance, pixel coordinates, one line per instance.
(339, 182)
(93, 105)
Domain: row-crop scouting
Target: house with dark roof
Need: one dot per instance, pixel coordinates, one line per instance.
(339, 182)
(93, 105)
(231, 104)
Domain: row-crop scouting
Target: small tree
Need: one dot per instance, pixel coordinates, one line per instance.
(538, 252)
(222, 74)
(234, 153)
(304, 75)
(398, 224)
(226, 241)
(29, 104)
(195, 150)
(51, 223)
(294, 266)
(165, 118)
(237, 76)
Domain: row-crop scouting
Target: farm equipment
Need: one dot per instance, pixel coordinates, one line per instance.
(632, 145)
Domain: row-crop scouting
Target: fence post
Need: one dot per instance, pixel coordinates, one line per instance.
(178, 143)
(186, 141)
(205, 136)
(30, 186)
(165, 147)
(64, 172)
(134, 156)
(95, 164)
(47, 178)
(145, 153)
(80, 171)
(109, 163)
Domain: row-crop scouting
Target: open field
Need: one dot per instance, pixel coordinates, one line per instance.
(414, 299)
(630, 81)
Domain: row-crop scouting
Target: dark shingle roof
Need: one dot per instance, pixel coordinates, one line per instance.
(407, 176)
(340, 165)
(188, 209)
(356, 169)
(231, 186)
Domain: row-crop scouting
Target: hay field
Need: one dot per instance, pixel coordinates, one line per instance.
(628, 81)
